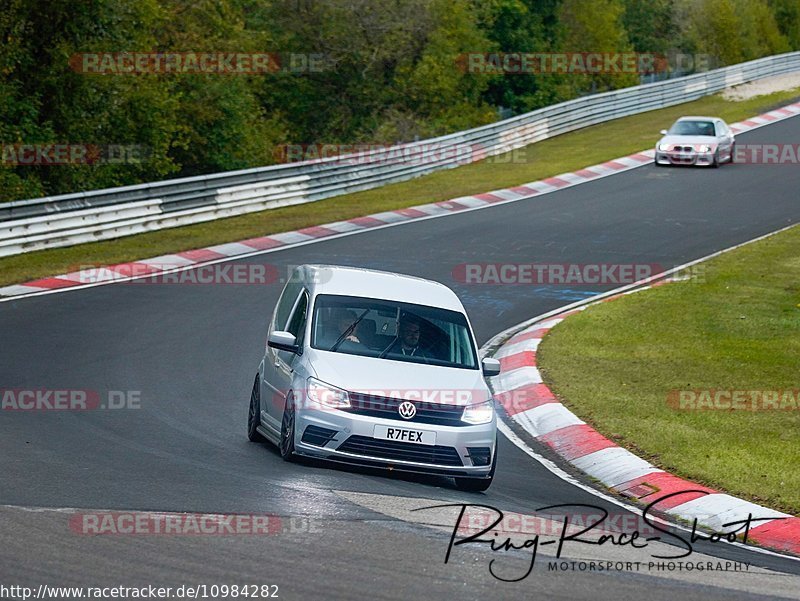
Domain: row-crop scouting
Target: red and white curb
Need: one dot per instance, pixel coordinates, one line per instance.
(533, 406)
(253, 246)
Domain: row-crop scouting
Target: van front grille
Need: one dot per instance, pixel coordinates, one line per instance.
(401, 451)
(387, 408)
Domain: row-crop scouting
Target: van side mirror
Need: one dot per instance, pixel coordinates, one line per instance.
(663, 132)
(283, 341)
(491, 367)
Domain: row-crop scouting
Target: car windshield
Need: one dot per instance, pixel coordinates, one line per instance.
(692, 128)
(393, 331)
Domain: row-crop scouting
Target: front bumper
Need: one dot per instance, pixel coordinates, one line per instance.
(456, 452)
(684, 158)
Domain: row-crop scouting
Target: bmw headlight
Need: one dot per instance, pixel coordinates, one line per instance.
(480, 413)
(663, 147)
(704, 148)
(327, 395)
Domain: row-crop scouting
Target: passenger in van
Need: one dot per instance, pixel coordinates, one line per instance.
(338, 321)
(344, 320)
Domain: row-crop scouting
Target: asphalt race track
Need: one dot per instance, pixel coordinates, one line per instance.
(191, 352)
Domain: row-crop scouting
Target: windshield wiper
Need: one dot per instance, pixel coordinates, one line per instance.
(385, 351)
(348, 331)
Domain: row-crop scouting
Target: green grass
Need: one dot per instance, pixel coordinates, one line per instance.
(563, 153)
(615, 363)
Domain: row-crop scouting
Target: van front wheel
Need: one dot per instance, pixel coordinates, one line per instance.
(254, 414)
(287, 430)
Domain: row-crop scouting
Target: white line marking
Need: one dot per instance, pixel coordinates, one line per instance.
(504, 194)
(342, 226)
(167, 260)
(600, 170)
(719, 509)
(389, 216)
(515, 378)
(542, 188)
(546, 418)
(529, 345)
(231, 250)
(291, 237)
(614, 465)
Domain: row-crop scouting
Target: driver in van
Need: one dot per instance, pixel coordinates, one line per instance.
(407, 343)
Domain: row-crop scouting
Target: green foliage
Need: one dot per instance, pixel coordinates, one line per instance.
(761, 35)
(650, 25)
(46, 102)
(385, 72)
(732, 31)
(787, 16)
(596, 26)
(521, 26)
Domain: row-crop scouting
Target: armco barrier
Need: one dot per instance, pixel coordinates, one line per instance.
(51, 222)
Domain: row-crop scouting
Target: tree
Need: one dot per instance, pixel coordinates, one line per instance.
(521, 26)
(50, 103)
(732, 31)
(760, 35)
(595, 26)
(650, 25)
(787, 17)
(390, 70)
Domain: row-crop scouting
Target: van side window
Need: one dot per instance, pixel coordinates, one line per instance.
(285, 304)
(298, 321)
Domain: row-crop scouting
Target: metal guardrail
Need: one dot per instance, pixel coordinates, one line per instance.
(50, 222)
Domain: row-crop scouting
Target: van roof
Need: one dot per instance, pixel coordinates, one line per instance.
(384, 285)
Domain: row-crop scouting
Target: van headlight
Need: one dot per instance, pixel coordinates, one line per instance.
(326, 395)
(481, 413)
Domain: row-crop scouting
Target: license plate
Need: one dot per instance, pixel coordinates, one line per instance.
(404, 435)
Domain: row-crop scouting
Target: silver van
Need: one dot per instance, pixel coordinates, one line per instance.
(377, 369)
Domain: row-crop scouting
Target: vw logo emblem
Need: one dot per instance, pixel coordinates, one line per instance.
(407, 410)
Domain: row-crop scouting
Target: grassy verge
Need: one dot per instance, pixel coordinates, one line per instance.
(616, 363)
(563, 153)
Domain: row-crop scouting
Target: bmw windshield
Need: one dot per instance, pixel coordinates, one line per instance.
(392, 330)
(692, 128)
